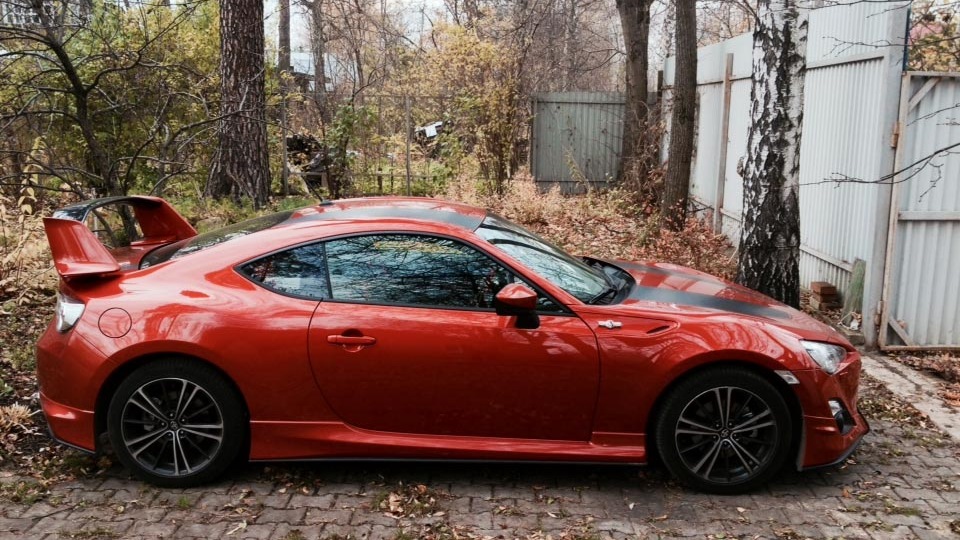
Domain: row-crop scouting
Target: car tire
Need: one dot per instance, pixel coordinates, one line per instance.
(176, 423)
(724, 431)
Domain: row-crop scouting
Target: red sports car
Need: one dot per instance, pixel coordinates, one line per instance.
(419, 328)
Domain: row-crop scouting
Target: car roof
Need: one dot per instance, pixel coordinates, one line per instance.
(379, 208)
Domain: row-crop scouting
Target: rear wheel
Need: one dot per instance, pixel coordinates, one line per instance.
(724, 431)
(176, 423)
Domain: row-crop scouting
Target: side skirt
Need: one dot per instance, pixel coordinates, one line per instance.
(272, 441)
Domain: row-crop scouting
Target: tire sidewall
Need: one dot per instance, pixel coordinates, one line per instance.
(223, 393)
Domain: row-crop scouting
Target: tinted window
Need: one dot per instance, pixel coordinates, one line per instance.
(412, 270)
(547, 260)
(300, 271)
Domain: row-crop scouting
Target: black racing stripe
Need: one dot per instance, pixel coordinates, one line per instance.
(684, 298)
(663, 271)
(395, 212)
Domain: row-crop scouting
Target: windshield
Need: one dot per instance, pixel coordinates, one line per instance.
(212, 238)
(547, 260)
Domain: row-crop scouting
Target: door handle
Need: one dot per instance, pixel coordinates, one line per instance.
(351, 340)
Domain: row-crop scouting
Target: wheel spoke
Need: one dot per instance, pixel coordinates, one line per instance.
(202, 434)
(681, 431)
(719, 413)
(696, 445)
(751, 420)
(714, 450)
(771, 423)
(156, 459)
(713, 461)
(743, 406)
(740, 451)
(697, 425)
(173, 452)
(197, 448)
(150, 408)
(198, 411)
(154, 437)
(177, 443)
(186, 404)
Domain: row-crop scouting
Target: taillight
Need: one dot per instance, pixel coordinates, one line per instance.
(69, 310)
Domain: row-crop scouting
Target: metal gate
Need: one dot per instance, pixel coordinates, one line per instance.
(921, 293)
(575, 139)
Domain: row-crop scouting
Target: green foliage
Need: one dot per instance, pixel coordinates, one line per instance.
(483, 76)
(126, 97)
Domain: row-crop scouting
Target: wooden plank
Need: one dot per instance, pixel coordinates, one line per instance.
(827, 258)
(724, 140)
(922, 93)
(852, 59)
(898, 330)
(892, 220)
(919, 215)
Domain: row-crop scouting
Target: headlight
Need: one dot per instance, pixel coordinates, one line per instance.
(69, 311)
(827, 356)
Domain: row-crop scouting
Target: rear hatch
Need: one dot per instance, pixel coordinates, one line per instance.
(101, 237)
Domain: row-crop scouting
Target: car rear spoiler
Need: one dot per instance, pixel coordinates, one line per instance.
(77, 251)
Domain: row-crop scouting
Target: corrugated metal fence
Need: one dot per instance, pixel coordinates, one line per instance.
(864, 118)
(851, 116)
(576, 139)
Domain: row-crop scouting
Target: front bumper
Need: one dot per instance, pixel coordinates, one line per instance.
(824, 441)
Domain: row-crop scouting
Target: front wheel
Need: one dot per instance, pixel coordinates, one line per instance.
(176, 423)
(724, 431)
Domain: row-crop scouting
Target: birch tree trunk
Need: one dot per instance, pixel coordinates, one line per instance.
(676, 185)
(241, 167)
(770, 235)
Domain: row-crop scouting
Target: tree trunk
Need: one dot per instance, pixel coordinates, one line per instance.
(283, 45)
(241, 166)
(100, 162)
(570, 45)
(676, 185)
(635, 21)
(318, 47)
(770, 234)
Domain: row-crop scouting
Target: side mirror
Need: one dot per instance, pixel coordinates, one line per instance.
(518, 300)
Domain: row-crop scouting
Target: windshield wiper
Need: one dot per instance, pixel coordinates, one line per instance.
(603, 294)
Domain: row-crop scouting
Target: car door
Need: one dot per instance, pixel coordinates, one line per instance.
(409, 342)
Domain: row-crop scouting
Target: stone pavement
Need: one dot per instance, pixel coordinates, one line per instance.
(904, 482)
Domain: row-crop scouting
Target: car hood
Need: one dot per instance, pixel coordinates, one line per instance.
(671, 289)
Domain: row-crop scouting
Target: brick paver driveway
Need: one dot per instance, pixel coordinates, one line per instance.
(902, 483)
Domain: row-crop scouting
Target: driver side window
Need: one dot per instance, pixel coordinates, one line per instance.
(412, 270)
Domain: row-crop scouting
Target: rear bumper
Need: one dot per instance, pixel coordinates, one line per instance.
(70, 426)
